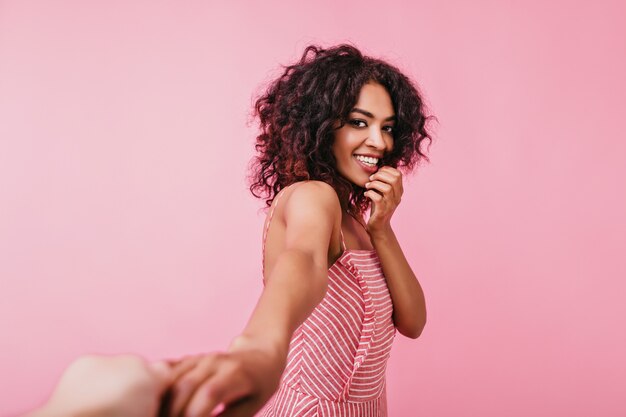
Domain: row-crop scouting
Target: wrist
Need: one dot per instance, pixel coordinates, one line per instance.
(275, 347)
(381, 234)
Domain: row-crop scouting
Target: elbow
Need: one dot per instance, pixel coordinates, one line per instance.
(413, 330)
(419, 331)
(413, 333)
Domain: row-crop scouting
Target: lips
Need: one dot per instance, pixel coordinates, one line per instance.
(367, 168)
(372, 156)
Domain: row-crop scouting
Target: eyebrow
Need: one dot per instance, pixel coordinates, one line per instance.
(370, 115)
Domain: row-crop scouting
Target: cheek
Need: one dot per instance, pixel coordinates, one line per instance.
(339, 150)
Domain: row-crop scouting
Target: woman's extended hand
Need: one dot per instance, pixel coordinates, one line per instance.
(240, 380)
(385, 191)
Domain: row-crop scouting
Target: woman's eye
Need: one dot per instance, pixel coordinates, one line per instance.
(388, 129)
(357, 123)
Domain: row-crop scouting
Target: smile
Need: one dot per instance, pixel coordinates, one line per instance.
(368, 160)
(368, 164)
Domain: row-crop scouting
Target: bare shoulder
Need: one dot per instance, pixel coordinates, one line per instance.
(315, 198)
(311, 214)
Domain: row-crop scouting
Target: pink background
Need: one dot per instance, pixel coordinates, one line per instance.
(126, 225)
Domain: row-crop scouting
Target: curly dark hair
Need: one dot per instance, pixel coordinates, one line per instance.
(298, 110)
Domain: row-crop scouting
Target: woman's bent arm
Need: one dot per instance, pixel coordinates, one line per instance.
(409, 305)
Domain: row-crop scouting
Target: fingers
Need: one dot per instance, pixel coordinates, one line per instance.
(236, 383)
(383, 174)
(162, 372)
(185, 387)
(169, 371)
(384, 189)
(178, 368)
(373, 195)
(184, 365)
(387, 185)
(380, 186)
(244, 408)
(227, 386)
(391, 176)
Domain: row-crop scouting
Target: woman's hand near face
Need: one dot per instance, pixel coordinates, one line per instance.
(385, 190)
(239, 381)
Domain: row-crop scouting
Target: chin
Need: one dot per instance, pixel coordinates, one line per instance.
(357, 180)
(355, 176)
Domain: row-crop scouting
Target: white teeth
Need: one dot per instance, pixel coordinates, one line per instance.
(367, 159)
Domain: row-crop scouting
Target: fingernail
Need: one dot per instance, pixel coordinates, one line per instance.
(220, 407)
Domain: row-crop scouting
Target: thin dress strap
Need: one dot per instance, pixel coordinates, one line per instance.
(267, 226)
(269, 220)
(343, 242)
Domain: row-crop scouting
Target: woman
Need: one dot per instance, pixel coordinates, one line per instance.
(335, 127)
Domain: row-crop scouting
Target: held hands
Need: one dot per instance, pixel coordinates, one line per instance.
(238, 382)
(385, 190)
(96, 386)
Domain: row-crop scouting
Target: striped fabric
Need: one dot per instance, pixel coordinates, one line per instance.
(338, 356)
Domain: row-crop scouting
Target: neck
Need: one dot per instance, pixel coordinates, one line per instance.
(344, 201)
(359, 219)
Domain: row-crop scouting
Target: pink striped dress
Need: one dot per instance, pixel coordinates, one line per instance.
(338, 356)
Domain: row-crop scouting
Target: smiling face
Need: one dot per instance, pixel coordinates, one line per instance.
(367, 136)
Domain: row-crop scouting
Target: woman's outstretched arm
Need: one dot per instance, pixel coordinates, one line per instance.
(298, 279)
(249, 372)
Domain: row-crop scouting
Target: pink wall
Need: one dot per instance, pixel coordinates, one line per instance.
(126, 226)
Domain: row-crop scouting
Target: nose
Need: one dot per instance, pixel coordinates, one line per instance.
(375, 139)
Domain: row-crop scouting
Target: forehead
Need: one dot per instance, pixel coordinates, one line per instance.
(374, 98)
